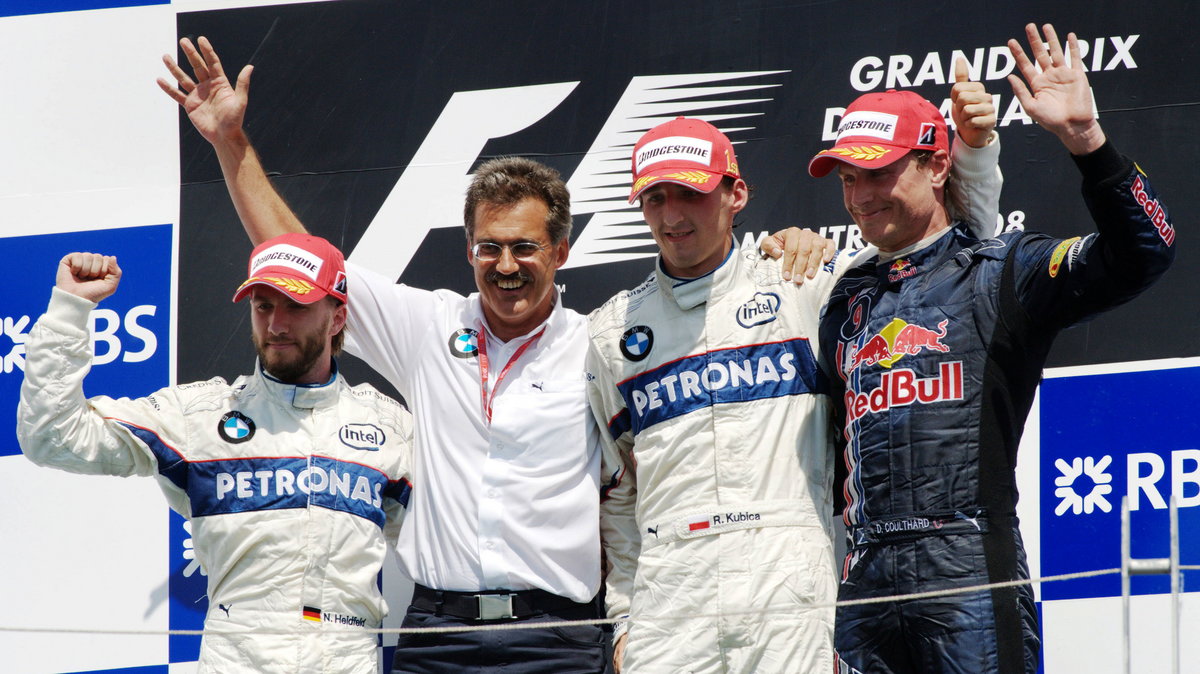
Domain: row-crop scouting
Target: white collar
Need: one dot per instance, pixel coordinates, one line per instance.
(922, 244)
(552, 321)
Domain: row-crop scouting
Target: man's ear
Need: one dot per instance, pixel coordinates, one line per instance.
(339, 319)
(741, 195)
(939, 168)
(560, 251)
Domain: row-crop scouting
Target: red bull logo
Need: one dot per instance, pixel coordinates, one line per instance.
(900, 270)
(898, 339)
(901, 388)
(1153, 210)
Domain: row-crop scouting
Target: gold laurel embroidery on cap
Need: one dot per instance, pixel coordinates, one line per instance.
(291, 285)
(690, 176)
(641, 182)
(860, 152)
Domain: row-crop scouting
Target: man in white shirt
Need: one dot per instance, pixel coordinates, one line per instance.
(502, 524)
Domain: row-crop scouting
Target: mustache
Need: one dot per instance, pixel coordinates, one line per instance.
(494, 276)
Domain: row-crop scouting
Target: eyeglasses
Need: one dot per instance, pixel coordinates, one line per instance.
(490, 252)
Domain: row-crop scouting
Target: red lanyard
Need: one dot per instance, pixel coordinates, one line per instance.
(483, 370)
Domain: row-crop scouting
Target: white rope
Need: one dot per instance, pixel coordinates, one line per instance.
(525, 624)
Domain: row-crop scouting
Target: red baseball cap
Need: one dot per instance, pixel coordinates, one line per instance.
(689, 152)
(305, 267)
(881, 127)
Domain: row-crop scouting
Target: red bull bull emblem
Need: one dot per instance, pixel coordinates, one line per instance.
(900, 270)
(896, 340)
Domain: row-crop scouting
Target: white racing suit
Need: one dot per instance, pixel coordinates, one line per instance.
(718, 424)
(293, 492)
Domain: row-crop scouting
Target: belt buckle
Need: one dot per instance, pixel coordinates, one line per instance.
(495, 606)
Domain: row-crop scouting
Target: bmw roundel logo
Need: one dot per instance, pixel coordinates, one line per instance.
(235, 427)
(464, 343)
(636, 342)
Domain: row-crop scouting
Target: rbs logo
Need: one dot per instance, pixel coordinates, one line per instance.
(1085, 484)
(139, 343)
(114, 336)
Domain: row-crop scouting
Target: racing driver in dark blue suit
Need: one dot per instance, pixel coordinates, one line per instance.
(935, 348)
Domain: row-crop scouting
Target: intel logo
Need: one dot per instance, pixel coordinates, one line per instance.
(362, 436)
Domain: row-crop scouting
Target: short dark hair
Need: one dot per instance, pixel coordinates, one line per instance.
(507, 181)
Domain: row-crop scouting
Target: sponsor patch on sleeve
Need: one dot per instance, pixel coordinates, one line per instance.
(1145, 197)
(1061, 254)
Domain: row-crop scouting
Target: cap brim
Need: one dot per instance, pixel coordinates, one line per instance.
(862, 155)
(697, 179)
(300, 290)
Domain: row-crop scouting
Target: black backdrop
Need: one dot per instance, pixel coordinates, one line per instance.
(345, 92)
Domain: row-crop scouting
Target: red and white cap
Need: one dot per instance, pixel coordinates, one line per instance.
(689, 152)
(880, 128)
(305, 267)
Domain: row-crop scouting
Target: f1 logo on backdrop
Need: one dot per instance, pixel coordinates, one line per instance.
(430, 190)
(1104, 437)
(129, 330)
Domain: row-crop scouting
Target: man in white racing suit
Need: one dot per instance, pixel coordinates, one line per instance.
(293, 480)
(706, 378)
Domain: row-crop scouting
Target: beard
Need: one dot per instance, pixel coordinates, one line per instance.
(289, 367)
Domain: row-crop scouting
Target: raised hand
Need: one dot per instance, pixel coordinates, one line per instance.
(972, 109)
(88, 275)
(1058, 97)
(215, 107)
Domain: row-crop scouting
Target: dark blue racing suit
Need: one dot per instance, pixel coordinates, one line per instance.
(936, 357)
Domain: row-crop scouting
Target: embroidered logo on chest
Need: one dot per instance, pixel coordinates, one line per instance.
(637, 342)
(235, 427)
(762, 308)
(464, 343)
(900, 270)
(896, 340)
(368, 437)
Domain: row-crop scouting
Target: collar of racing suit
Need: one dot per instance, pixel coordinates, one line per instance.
(689, 293)
(300, 396)
(927, 254)
(920, 245)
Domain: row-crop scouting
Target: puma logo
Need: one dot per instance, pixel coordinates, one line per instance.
(973, 520)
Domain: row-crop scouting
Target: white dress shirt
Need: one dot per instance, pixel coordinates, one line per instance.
(510, 505)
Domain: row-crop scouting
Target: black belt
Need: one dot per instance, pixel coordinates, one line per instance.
(911, 527)
(490, 604)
